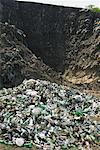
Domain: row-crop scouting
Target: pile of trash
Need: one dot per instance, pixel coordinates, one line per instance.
(49, 116)
(17, 62)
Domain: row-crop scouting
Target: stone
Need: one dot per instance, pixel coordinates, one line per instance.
(19, 142)
(31, 92)
(36, 111)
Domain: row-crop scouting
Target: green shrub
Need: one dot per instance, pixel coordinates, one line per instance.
(93, 8)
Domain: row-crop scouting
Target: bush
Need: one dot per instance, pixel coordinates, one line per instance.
(93, 8)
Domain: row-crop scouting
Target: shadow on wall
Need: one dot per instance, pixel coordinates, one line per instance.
(45, 27)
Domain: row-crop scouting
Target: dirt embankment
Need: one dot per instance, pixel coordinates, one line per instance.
(84, 55)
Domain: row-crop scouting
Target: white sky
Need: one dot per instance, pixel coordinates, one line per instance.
(73, 3)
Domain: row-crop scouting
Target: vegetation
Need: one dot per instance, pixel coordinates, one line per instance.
(93, 8)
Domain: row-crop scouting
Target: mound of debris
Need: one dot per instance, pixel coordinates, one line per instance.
(49, 116)
(17, 62)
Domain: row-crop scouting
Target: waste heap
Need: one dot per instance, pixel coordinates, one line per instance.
(17, 62)
(49, 116)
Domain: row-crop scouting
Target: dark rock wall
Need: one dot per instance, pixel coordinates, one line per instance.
(49, 29)
(1, 11)
(45, 27)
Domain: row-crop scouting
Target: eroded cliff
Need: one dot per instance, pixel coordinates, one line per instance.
(66, 39)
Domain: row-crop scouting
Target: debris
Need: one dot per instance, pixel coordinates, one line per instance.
(19, 141)
(61, 121)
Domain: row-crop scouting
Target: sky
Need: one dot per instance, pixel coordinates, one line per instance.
(72, 3)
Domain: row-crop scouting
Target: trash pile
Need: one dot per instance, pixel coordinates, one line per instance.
(49, 116)
(17, 62)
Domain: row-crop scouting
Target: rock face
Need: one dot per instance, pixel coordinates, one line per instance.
(43, 26)
(66, 39)
(82, 64)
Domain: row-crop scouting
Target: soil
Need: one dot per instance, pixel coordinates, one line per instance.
(4, 147)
